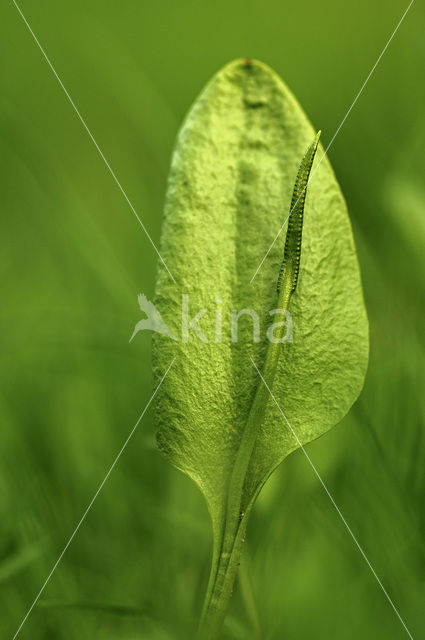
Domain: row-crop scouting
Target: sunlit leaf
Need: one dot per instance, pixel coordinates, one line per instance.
(230, 187)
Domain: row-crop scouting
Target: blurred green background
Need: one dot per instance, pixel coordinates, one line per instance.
(73, 259)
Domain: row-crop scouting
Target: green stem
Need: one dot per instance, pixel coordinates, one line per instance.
(221, 589)
(226, 559)
(224, 574)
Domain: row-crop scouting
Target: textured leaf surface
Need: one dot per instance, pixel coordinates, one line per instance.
(230, 187)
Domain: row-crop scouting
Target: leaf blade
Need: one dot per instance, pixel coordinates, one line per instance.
(231, 179)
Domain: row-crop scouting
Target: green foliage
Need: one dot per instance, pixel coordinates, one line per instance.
(73, 259)
(230, 186)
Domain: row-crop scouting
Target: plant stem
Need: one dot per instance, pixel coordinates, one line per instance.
(220, 590)
(224, 571)
(226, 560)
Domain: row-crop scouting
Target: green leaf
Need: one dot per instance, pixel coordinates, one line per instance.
(231, 180)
